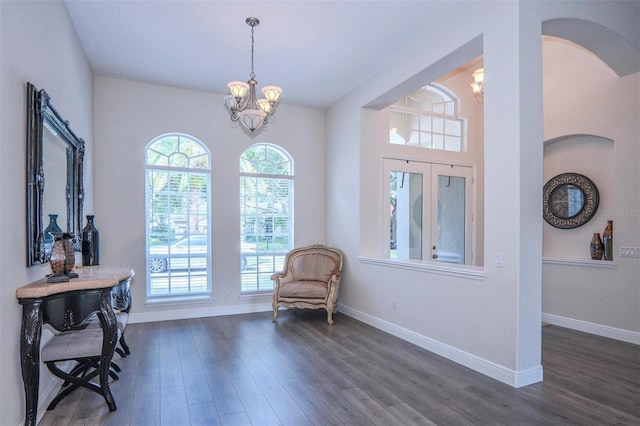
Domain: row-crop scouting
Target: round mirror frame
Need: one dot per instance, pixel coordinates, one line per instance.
(589, 208)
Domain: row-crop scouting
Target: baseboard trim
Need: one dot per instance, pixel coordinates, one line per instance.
(593, 328)
(178, 314)
(498, 372)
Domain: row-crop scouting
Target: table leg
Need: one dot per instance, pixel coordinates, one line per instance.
(110, 337)
(30, 333)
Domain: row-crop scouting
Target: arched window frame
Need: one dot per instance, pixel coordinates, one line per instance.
(416, 122)
(178, 210)
(266, 220)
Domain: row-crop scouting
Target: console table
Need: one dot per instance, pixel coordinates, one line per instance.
(66, 306)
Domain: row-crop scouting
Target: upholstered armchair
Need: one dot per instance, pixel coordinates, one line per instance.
(311, 279)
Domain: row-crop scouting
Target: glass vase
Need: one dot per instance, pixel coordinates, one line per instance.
(90, 243)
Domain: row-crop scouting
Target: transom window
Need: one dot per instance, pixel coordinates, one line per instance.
(178, 205)
(266, 214)
(427, 118)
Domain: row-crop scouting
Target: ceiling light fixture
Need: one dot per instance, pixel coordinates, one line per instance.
(253, 113)
(478, 84)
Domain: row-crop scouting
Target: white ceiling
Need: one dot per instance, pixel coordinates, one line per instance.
(317, 51)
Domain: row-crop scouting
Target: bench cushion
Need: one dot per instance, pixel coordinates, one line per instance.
(73, 345)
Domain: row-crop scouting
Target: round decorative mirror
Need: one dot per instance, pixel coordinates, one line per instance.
(570, 200)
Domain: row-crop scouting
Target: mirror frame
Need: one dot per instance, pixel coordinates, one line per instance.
(589, 208)
(39, 112)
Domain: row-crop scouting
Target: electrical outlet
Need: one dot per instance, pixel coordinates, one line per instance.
(227, 295)
(499, 260)
(394, 304)
(630, 252)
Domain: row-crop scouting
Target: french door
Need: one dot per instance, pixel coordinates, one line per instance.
(430, 211)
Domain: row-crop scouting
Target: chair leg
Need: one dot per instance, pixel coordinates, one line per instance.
(74, 382)
(330, 315)
(124, 345)
(275, 312)
(80, 376)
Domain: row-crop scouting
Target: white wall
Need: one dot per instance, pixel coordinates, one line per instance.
(491, 324)
(599, 102)
(476, 322)
(130, 114)
(38, 45)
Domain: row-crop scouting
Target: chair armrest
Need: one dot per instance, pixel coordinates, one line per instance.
(282, 277)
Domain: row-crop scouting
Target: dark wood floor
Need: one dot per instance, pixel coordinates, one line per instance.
(246, 370)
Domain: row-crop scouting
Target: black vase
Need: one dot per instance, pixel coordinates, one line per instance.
(90, 243)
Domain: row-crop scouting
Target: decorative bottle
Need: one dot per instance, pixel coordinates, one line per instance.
(90, 243)
(607, 238)
(597, 248)
(48, 234)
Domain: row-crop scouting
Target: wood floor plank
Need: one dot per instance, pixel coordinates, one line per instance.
(279, 399)
(372, 411)
(253, 400)
(407, 416)
(204, 414)
(246, 370)
(235, 419)
(173, 406)
(307, 398)
(224, 393)
(145, 409)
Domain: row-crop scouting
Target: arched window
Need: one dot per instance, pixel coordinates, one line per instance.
(427, 118)
(178, 205)
(266, 214)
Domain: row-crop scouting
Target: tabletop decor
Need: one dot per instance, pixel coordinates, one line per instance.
(607, 237)
(63, 258)
(596, 247)
(90, 243)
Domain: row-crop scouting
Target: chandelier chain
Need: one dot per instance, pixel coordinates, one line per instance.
(252, 75)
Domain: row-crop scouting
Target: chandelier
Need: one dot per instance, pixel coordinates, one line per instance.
(243, 104)
(478, 84)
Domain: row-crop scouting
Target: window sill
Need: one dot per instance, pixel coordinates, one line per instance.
(179, 300)
(578, 262)
(463, 271)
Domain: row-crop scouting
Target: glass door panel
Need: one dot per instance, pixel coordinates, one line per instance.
(451, 229)
(451, 226)
(406, 215)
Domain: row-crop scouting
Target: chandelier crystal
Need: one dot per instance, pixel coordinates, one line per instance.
(244, 106)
